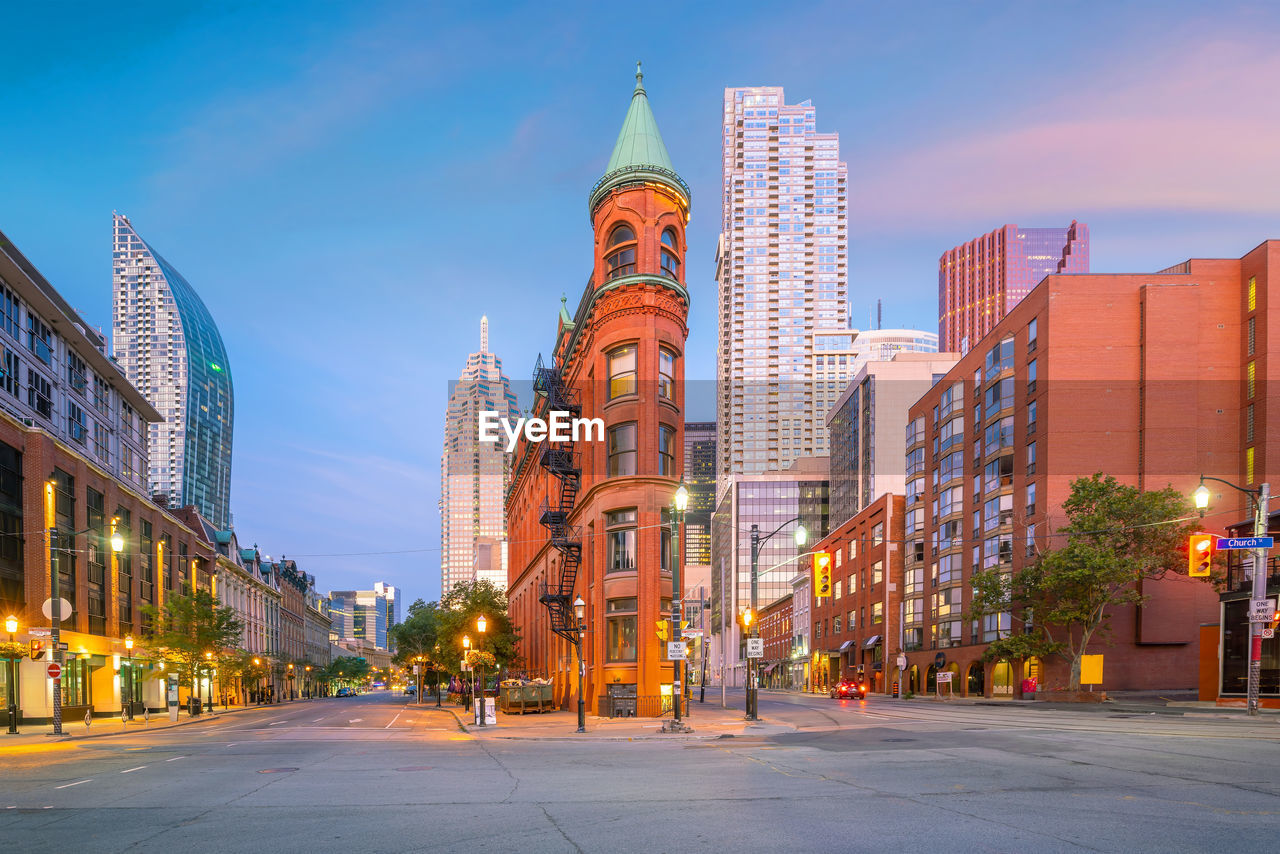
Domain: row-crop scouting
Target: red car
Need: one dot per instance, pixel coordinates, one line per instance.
(847, 689)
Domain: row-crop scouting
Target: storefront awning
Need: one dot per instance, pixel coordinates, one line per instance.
(844, 647)
(767, 671)
(872, 641)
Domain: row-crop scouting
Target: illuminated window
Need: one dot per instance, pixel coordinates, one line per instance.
(622, 371)
(1253, 292)
(1248, 465)
(622, 260)
(670, 260)
(622, 449)
(666, 373)
(666, 451)
(1251, 376)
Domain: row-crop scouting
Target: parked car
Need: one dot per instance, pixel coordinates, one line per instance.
(847, 689)
(410, 690)
(346, 692)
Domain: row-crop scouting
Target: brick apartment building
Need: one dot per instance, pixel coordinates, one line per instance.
(1153, 378)
(776, 632)
(591, 518)
(854, 627)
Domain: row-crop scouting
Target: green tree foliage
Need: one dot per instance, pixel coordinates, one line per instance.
(1115, 537)
(456, 617)
(184, 628)
(347, 670)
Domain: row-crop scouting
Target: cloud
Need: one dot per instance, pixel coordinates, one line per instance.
(1183, 130)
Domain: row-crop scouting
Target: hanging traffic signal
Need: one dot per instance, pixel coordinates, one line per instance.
(1200, 555)
(822, 574)
(664, 633)
(37, 650)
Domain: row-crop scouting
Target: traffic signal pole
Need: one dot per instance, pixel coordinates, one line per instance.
(1258, 594)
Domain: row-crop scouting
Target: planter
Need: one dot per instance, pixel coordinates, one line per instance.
(1071, 696)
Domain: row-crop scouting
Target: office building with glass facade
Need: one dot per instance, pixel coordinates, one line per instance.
(979, 282)
(167, 344)
(781, 271)
(700, 479)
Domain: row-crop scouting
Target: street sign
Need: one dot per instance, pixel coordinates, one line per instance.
(54, 670)
(40, 633)
(944, 676)
(691, 633)
(755, 647)
(1268, 633)
(1262, 610)
(675, 650)
(47, 608)
(64, 646)
(1230, 543)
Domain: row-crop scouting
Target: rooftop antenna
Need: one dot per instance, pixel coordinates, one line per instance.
(484, 333)
(879, 314)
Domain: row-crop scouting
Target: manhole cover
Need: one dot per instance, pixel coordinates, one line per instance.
(897, 739)
(276, 770)
(415, 768)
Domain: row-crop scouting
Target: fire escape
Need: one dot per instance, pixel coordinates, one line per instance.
(560, 461)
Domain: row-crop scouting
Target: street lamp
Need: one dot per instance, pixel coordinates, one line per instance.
(11, 626)
(257, 663)
(208, 678)
(306, 682)
(801, 537)
(1258, 594)
(580, 610)
(679, 502)
(436, 665)
(291, 697)
(128, 648)
(481, 625)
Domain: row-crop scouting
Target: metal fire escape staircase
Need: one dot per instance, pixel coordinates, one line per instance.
(560, 461)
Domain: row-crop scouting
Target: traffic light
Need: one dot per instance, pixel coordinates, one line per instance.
(664, 633)
(1200, 555)
(37, 649)
(822, 574)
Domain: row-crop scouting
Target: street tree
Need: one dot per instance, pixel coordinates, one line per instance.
(185, 627)
(417, 639)
(457, 615)
(1115, 536)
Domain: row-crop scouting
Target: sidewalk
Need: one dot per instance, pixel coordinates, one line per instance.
(75, 730)
(706, 722)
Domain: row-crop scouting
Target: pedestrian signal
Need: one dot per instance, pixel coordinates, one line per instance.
(822, 574)
(1200, 555)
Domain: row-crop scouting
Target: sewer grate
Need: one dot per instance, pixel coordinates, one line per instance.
(276, 770)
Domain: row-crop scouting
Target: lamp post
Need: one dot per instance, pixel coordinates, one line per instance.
(291, 696)
(802, 537)
(11, 626)
(208, 679)
(437, 669)
(579, 611)
(257, 663)
(1258, 593)
(128, 648)
(679, 502)
(466, 657)
(306, 682)
(481, 625)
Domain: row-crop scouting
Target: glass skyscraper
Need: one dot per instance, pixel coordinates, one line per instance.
(782, 271)
(474, 474)
(700, 478)
(169, 347)
(979, 282)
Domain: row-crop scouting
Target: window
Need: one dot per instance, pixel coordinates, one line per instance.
(670, 260)
(146, 565)
(97, 563)
(999, 358)
(101, 397)
(853, 620)
(1253, 292)
(128, 419)
(1251, 376)
(12, 377)
(996, 626)
(1031, 335)
(622, 371)
(76, 425)
(1248, 465)
(9, 313)
(1253, 329)
(835, 626)
(666, 374)
(39, 339)
(12, 588)
(620, 638)
(39, 394)
(620, 539)
(877, 613)
(999, 396)
(877, 533)
(999, 473)
(999, 434)
(64, 514)
(666, 451)
(621, 261)
(76, 373)
(914, 611)
(101, 443)
(1031, 417)
(877, 572)
(1031, 458)
(622, 449)
(1248, 423)
(1031, 376)
(1031, 540)
(837, 590)
(1031, 499)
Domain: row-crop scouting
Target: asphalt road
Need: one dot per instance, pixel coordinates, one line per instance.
(374, 774)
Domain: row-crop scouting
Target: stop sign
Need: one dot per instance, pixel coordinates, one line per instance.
(54, 670)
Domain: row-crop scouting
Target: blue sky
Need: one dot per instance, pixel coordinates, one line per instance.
(350, 186)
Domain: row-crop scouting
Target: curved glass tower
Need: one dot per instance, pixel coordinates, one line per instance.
(168, 346)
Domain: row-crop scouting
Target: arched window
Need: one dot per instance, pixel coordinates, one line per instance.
(621, 260)
(670, 260)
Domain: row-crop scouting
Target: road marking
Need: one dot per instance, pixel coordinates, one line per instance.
(355, 720)
(69, 785)
(317, 720)
(131, 770)
(232, 744)
(277, 723)
(393, 720)
(174, 759)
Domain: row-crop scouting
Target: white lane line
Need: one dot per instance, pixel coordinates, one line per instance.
(69, 785)
(232, 744)
(131, 770)
(355, 720)
(175, 759)
(317, 720)
(393, 720)
(277, 723)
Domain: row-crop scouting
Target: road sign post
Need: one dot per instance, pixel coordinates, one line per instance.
(54, 671)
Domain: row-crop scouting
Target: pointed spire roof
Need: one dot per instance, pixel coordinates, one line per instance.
(639, 154)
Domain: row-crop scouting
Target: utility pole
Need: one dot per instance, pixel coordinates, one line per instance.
(1257, 595)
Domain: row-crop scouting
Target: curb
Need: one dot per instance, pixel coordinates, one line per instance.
(204, 718)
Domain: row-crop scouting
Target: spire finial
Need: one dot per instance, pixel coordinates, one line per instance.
(639, 77)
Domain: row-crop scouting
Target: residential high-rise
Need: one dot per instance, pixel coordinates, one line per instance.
(168, 345)
(474, 474)
(781, 270)
(361, 615)
(700, 479)
(979, 282)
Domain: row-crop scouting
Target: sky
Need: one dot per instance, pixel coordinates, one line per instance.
(350, 186)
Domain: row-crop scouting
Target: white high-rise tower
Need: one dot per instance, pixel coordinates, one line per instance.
(782, 267)
(474, 474)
